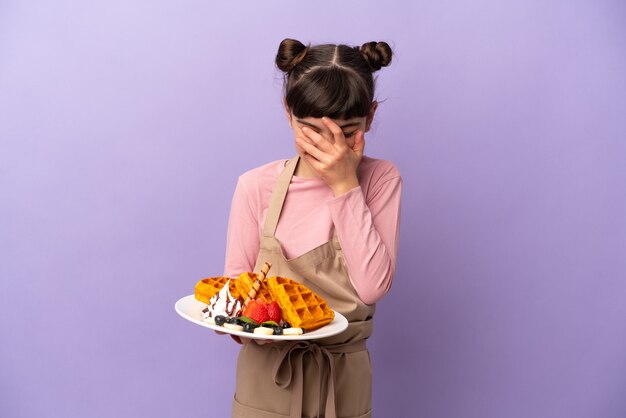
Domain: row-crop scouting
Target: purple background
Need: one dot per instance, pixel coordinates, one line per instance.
(124, 126)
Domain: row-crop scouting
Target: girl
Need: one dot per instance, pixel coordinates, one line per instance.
(328, 218)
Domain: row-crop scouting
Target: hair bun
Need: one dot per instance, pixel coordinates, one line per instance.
(377, 54)
(290, 53)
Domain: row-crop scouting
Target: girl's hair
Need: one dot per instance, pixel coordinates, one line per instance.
(330, 80)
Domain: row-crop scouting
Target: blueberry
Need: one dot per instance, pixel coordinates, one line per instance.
(219, 320)
(286, 325)
(233, 320)
(249, 327)
(278, 330)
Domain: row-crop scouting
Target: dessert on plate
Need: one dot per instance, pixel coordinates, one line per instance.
(250, 303)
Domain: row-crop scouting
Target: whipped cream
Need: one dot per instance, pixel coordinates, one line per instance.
(223, 303)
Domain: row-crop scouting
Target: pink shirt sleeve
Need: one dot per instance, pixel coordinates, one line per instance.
(242, 246)
(368, 233)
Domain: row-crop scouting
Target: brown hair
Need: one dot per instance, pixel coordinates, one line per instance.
(330, 80)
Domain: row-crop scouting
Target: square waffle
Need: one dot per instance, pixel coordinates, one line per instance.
(245, 282)
(207, 288)
(301, 307)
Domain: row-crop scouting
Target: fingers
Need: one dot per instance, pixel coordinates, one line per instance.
(359, 144)
(315, 164)
(334, 129)
(243, 340)
(235, 338)
(318, 140)
(319, 159)
(311, 149)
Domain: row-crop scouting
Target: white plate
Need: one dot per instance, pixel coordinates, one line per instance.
(190, 308)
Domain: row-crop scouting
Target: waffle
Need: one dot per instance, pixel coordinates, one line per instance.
(207, 288)
(301, 307)
(244, 284)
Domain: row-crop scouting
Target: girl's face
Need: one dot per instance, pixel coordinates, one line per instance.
(349, 127)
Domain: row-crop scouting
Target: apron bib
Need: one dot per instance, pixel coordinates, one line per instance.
(330, 377)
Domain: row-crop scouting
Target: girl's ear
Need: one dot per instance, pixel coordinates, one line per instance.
(370, 117)
(287, 112)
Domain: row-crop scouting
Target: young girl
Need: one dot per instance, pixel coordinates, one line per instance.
(328, 218)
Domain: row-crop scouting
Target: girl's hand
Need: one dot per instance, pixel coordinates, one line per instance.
(234, 337)
(329, 154)
(244, 340)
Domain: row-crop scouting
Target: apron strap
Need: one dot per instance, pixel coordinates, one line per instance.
(288, 371)
(278, 197)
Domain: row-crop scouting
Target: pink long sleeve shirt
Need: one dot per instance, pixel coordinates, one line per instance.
(366, 220)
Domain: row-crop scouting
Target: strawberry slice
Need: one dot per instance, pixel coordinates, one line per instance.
(274, 312)
(257, 310)
(249, 308)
